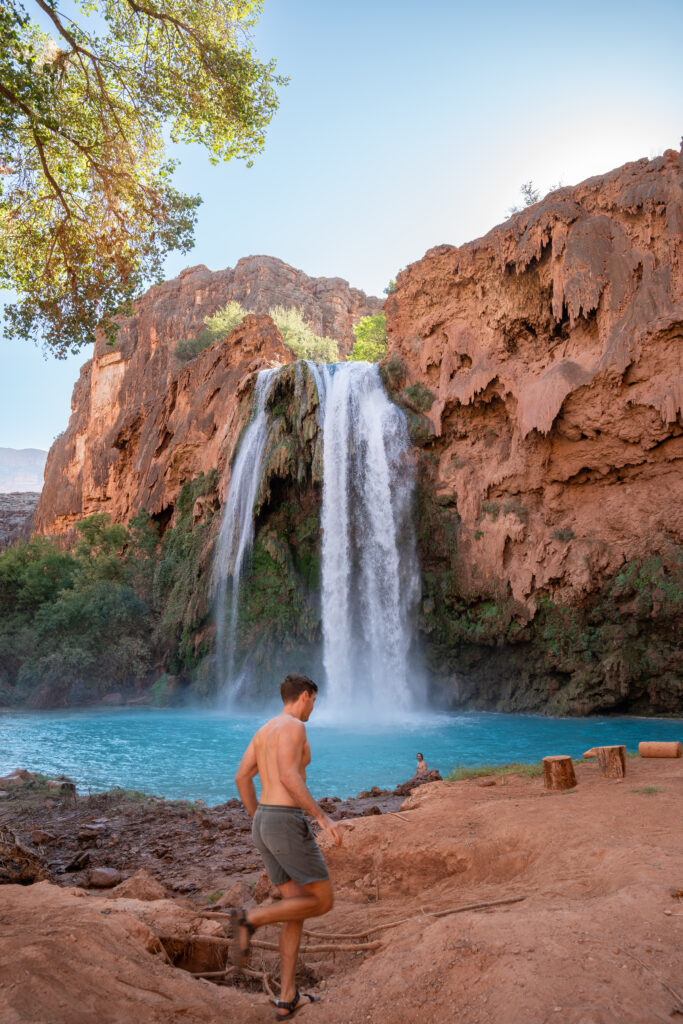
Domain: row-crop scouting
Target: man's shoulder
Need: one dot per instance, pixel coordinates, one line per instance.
(283, 722)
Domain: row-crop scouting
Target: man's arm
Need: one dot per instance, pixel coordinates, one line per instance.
(289, 753)
(244, 779)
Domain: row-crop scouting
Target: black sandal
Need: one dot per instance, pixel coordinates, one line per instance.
(294, 1005)
(239, 953)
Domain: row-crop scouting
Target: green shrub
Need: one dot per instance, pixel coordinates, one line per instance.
(419, 397)
(299, 336)
(216, 327)
(191, 347)
(223, 321)
(371, 339)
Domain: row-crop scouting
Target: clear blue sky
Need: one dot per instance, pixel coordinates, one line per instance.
(405, 126)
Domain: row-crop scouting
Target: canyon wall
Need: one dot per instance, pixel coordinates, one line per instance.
(142, 422)
(540, 371)
(542, 365)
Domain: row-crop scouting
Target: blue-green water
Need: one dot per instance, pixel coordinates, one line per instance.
(194, 754)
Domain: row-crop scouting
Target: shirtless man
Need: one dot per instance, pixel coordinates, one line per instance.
(279, 754)
(421, 765)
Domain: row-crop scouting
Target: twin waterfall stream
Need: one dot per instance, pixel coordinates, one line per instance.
(370, 574)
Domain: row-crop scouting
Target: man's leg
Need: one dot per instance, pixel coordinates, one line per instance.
(310, 900)
(290, 939)
(298, 903)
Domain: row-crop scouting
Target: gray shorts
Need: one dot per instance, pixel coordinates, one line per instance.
(286, 843)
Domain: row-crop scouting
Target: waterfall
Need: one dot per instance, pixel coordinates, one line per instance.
(370, 573)
(236, 535)
(371, 577)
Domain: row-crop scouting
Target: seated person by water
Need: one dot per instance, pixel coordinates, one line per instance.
(279, 754)
(421, 765)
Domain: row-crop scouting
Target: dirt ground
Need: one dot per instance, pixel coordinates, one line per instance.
(595, 937)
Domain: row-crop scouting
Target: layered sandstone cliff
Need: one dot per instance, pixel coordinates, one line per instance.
(142, 422)
(547, 357)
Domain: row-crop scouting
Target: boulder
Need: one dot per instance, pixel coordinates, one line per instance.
(103, 878)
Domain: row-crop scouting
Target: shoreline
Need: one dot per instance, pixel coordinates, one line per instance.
(552, 900)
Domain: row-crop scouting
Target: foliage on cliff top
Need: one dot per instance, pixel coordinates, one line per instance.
(296, 331)
(88, 211)
(371, 339)
(298, 335)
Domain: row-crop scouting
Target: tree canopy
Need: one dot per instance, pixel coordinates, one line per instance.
(88, 210)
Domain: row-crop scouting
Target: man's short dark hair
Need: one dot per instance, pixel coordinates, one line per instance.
(294, 685)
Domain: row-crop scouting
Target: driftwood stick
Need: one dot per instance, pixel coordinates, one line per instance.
(418, 917)
(401, 816)
(269, 991)
(253, 974)
(214, 974)
(326, 947)
(654, 974)
(219, 940)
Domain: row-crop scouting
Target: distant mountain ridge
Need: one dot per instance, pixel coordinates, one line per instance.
(21, 469)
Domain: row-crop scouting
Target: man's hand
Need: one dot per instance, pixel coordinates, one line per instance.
(330, 828)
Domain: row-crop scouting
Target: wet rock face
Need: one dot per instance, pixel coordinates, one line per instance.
(142, 422)
(545, 359)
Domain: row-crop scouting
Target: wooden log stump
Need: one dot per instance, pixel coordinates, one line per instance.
(558, 772)
(612, 761)
(660, 748)
(589, 753)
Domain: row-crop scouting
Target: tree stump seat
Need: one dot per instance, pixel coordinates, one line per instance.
(558, 772)
(612, 761)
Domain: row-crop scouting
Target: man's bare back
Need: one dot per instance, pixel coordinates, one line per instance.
(273, 743)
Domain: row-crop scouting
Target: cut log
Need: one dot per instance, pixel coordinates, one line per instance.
(558, 772)
(589, 753)
(612, 761)
(660, 748)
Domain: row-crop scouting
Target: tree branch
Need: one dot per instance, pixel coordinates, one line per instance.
(46, 171)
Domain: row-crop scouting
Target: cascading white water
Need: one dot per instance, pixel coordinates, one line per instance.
(370, 573)
(236, 535)
(371, 579)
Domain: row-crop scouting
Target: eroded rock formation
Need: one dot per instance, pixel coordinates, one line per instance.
(142, 423)
(547, 358)
(16, 516)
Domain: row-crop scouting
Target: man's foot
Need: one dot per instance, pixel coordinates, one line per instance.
(241, 932)
(285, 1010)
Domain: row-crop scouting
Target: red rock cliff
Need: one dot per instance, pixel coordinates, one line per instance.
(142, 423)
(553, 350)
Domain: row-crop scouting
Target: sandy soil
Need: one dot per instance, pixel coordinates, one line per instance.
(596, 938)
